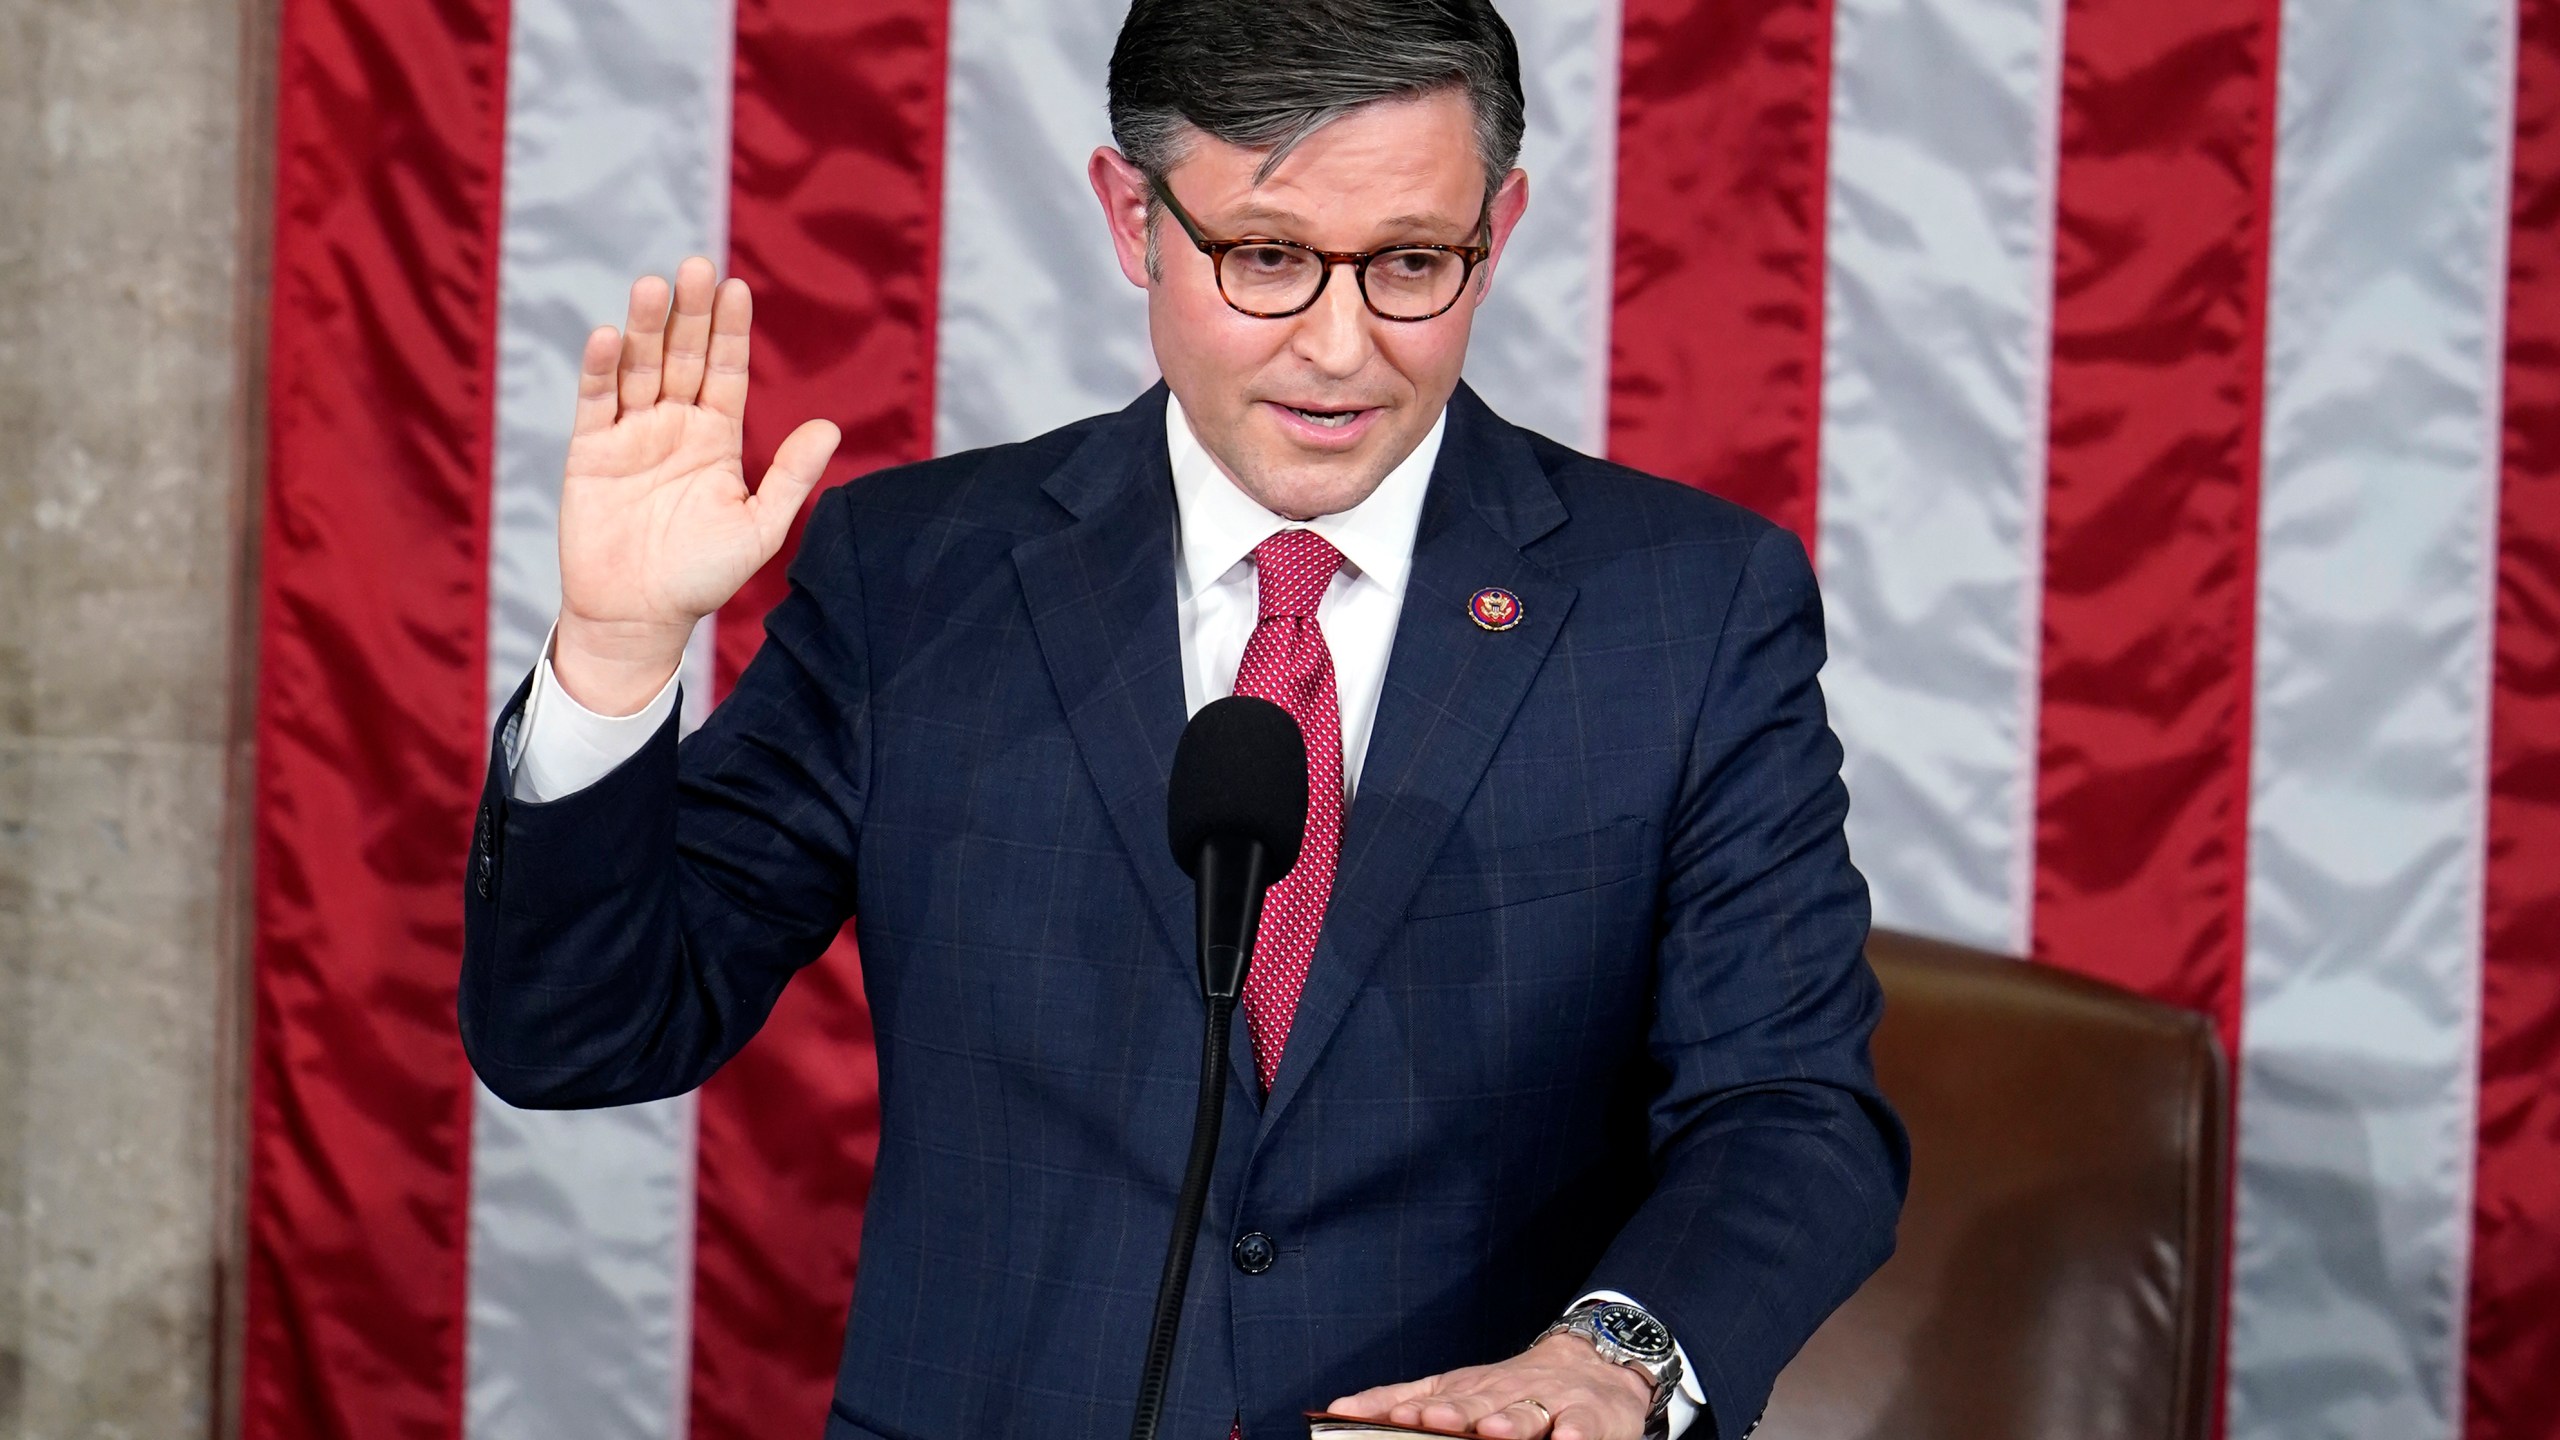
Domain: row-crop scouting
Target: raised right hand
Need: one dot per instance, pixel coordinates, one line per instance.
(657, 526)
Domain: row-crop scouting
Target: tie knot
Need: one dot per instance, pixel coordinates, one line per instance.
(1293, 567)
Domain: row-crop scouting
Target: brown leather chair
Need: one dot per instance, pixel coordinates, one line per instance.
(2058, 1272)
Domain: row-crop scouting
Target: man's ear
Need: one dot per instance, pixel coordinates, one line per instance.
(1124, 193)
(1509, 203)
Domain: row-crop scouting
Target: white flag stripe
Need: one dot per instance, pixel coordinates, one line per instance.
(617, 163)
(1540, 353)
(1937, 336)
(2377, 529)
(1037, 325)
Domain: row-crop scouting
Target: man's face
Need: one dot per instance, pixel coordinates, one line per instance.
(1308, 413)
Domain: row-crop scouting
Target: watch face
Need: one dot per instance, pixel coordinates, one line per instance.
(1638, 1333)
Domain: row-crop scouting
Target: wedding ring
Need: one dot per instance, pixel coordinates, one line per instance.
(1546, 1417)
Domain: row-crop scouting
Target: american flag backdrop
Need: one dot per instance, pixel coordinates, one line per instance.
(2168, 390)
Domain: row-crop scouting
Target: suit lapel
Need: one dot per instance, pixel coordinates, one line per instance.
(1451, 690)
(1101, 597)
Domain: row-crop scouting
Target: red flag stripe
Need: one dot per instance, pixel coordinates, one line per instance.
(835, 216)
(2151, 501)
(2512, 1373)
(370, 742)
(1715, 367)
(2151, 510)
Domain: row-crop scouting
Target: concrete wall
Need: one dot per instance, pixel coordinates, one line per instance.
(122, 571)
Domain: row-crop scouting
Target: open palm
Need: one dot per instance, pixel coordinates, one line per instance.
(657, 525)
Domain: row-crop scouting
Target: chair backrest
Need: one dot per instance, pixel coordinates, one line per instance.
(2058, 1270)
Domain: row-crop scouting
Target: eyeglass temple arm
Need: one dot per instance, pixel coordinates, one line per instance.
(1181, 216)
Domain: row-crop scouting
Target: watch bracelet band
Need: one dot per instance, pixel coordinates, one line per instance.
(1575, 1321)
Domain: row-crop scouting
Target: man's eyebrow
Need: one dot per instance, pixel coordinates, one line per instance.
(1276, 218)
(1266, 215)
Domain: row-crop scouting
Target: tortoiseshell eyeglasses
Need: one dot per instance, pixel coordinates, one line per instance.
(1273, 279)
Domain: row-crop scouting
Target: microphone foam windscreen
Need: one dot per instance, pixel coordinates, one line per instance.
(1240, 774)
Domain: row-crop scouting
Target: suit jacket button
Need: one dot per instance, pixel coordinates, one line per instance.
(1255, 1252)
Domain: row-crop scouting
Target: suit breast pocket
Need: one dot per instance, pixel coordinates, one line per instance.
(1466, 879)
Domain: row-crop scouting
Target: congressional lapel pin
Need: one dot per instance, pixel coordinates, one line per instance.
(1494, 608)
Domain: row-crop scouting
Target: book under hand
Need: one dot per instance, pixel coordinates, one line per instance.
(1321, 1426)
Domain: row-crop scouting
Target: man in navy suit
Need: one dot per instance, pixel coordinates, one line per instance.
(1557, 1113)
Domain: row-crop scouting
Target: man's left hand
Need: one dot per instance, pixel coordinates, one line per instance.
(1558, 1388)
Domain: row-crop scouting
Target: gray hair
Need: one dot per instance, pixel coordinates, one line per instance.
(1266, 74)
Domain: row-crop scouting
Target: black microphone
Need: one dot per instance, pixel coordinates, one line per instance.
(1235, 812)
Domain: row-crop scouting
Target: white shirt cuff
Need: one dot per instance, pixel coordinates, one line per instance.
(1689, 1399)
(558, 747)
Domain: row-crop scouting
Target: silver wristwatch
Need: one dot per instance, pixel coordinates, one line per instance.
(1627, 1335)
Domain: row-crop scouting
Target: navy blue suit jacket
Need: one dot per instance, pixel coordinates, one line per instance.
(1589, 1008)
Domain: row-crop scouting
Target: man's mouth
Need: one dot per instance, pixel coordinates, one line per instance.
(1326, 429)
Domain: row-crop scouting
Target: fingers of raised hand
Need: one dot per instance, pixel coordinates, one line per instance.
(688, 332)
(724, 384)
(644, 342)
(798, 463)
(596, 405)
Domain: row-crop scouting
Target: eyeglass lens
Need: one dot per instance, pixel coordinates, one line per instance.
(1407, 284)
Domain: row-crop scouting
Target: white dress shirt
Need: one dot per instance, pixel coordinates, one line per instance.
(560, 746)
(1219, 601)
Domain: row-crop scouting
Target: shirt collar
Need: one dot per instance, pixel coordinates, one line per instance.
(1221, 524)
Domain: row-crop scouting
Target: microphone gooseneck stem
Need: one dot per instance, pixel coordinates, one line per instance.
(1205, 1124)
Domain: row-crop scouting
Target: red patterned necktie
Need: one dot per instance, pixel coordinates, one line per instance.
(1287, 663)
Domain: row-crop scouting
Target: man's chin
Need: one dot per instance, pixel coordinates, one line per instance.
(1297, 490)
(1290, 480)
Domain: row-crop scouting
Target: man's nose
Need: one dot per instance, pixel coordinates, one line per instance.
(1333, 334)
